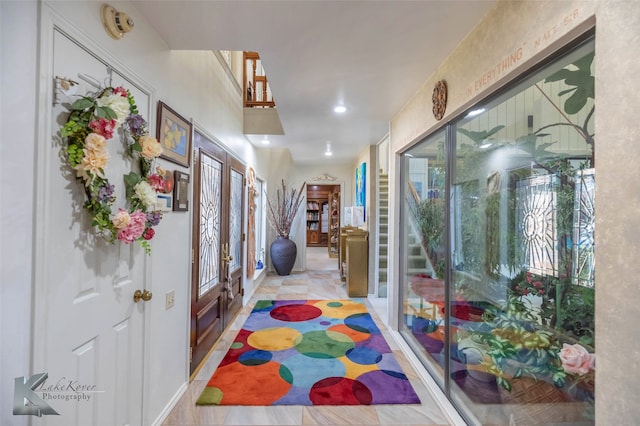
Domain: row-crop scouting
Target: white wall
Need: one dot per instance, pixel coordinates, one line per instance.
(17, 161)
(192, 83)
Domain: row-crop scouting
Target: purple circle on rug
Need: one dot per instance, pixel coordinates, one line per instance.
(389, 387)
(295, 313)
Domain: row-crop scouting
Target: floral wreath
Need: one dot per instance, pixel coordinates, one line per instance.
(94, 119)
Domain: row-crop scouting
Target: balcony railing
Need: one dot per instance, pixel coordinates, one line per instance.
(256, 88)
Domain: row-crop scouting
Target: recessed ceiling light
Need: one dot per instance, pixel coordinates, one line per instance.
(265, 141)
(328, 152)
(340, 109)
(485, 145)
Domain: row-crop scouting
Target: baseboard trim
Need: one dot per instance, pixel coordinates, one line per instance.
(170, 405)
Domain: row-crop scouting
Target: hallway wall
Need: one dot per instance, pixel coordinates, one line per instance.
(514, 36)
(195, 85)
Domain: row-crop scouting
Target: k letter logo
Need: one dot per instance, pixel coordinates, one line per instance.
(26, 401)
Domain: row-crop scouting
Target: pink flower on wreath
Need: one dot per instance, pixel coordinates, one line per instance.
(156, 182)
(134, 229)
(148, 234)
(576, 359)
(103, 127)
(120, 91)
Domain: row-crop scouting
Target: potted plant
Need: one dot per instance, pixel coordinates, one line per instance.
(280, 214)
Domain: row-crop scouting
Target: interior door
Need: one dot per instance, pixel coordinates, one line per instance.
(216, 292)
(88, 329)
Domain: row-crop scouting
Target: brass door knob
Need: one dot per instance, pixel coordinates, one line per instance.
(145, 295)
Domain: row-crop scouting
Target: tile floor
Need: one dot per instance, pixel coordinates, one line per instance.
(321, 280)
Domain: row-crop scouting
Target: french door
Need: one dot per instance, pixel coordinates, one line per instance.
(216, 288)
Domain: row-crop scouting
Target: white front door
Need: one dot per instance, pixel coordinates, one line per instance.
(89, 330)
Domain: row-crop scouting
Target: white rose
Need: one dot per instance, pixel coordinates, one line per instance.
(119, 104)
(146, 194)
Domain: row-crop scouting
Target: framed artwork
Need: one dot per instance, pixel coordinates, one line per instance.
(164, 202)
(181, 192)
(361, 188)
(174, 134)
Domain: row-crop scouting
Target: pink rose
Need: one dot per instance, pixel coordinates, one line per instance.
(148, 234)
(156, 182)
(576, 359)
(103, 127)
(120, 91)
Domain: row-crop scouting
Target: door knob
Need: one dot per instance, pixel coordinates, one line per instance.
(144, 295)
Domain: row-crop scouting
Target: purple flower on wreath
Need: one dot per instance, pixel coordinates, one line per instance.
(137, 125)
(105, 193)
(153, 218)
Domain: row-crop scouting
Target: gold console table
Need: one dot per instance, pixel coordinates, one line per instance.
(355, 268)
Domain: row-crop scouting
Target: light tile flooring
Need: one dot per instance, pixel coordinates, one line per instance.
(321, 280)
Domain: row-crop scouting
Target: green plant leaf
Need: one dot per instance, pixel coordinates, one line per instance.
(106, 112)
(82, 104)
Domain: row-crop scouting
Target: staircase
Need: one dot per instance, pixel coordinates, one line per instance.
(383, 232)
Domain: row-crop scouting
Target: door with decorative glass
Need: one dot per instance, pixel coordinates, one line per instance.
(216, 294)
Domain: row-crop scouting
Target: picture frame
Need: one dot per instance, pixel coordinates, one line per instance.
(175, 134)
(181, 192)
(164, 202)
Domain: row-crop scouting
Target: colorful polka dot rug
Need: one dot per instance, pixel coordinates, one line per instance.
(309, 352)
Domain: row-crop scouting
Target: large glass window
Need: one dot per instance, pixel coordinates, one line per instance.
(502, 310)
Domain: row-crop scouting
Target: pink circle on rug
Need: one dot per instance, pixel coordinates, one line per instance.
(339, 391)
(295, 313)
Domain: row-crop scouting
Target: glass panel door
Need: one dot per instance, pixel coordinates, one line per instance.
(423, 251)
(497, 252)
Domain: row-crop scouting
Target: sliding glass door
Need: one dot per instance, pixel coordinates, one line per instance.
(497, 245)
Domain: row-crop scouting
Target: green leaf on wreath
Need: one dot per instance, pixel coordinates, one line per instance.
(82, 104)
(131, 180)
(136, 146)
(106, 112)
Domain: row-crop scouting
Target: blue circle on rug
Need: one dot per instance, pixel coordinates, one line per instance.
(307, 371)
(364, 356)
(257, 357)
(361, 322)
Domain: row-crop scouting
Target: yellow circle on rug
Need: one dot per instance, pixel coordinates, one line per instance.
(274, 339)
(340, 308)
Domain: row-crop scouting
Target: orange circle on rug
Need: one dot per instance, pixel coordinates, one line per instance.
(355, 335)
(274, 339)
(340, 308)
(265, 387)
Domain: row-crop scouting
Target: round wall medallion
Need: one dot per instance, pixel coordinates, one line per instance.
(439, 99)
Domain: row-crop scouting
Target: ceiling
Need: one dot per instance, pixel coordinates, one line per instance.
(371, 56)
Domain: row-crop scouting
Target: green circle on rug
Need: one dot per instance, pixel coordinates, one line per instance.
(324, 344)
(334, 304)
(237, 345)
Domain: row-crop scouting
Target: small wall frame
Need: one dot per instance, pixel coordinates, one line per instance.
(181, 192)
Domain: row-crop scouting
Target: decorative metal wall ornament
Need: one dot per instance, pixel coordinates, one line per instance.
(324, 177)
(439, 99)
